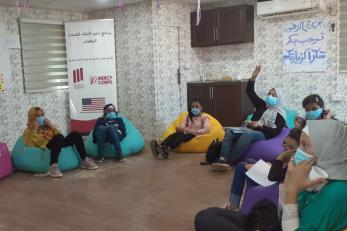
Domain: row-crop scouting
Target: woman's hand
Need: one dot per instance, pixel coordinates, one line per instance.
(254, 124)
(36, 126)
(286, 155)
(49, 124)
(297, 180)
(328, 114)
(298, 122)
(255, 72)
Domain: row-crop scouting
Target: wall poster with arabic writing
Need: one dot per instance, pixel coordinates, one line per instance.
(304, 46)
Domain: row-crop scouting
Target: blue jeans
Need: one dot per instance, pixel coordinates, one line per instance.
(239, 181)
(109, 134)
(234, 145)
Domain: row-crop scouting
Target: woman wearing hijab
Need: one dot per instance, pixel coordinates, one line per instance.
(316, 203)
(109, 128)
(315, 186)
(267, 121)
(43, 134)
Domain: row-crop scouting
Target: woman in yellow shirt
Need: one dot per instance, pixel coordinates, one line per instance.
(43, 134)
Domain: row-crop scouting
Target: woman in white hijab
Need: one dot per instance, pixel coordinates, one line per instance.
(315, 187)
(267, 121)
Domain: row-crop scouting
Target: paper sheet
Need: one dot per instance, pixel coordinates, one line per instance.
(259, 173)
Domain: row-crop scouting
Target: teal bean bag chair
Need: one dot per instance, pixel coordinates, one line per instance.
(133, 142)
(33, 159)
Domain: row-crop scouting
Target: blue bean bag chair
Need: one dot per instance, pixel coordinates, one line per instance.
(33, 159)
(133, 142)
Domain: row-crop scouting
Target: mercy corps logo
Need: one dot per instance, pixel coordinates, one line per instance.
(101, 80)
(77, 75)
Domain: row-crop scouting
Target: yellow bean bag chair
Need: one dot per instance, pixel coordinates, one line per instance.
(198, 144)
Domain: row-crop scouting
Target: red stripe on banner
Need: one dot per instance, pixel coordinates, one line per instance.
(74, 76)
(82, 126)
(78, 75)
(81, 73)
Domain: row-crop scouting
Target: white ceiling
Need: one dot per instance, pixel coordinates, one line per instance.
(86, 5)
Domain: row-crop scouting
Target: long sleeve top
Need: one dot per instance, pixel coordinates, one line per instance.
(199, 125)
(325, 210)
(116, 122)
(260, 107)
(39, 138)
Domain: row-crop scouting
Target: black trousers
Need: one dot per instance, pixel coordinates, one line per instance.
(59, 141)
(175, 139)
(217, 219)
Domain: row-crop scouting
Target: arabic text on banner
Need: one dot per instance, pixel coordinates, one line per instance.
(304, 46)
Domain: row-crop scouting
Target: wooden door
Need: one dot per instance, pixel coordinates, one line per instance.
(205, 33)
(226, 98)
(203, 92)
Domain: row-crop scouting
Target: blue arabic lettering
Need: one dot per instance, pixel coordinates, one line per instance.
(297, 57)
(293, 40)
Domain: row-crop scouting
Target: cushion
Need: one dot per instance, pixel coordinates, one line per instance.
(6, 167)
(198, 144)
(133, 142)
(267, 150)
(33, 159)
(255, 193)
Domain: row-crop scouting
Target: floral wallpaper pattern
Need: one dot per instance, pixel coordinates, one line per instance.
(14, 103)
(134, 63)
(147, 41)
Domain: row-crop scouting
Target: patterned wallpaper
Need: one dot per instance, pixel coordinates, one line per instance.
(14, 104)
(239, 60)
(147, 54)
(134, 61)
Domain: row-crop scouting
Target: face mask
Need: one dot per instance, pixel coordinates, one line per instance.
(195, 111)
(111, 115)
(40, 120)
(314, 115)
(271, 101)
(301, 156)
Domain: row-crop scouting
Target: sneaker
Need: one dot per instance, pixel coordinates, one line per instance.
(99, 159)
(220, 165)
(154, 148)
(54, 171)
(121, 158)
(231, 207)
(89, 164)
(163, 152)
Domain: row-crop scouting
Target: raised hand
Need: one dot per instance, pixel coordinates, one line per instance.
(255, 72)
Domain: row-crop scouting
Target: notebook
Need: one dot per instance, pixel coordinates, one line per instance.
(239, 129)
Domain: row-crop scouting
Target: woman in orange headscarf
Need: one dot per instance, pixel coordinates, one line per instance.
(43, 134)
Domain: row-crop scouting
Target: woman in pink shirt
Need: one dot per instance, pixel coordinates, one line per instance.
(196, 123)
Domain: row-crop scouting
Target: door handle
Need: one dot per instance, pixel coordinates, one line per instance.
(217, 34)
(211, 92)
(214, 34)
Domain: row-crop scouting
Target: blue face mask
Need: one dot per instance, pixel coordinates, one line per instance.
(314, 115)
(271, 101)
(111, 115)
(195, 111)
(301, 156)
(40, 120)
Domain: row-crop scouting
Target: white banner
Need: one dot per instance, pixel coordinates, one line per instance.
(304, 46)
(90, 47)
